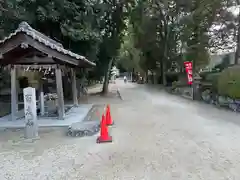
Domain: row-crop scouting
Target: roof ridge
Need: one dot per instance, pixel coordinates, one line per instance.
(25, 26)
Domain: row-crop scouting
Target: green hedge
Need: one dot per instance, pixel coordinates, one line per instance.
(171, 76)
(178, 84)
(177, 79)
(229, 82)
(212, 77)
(210, 82)
(205, 75)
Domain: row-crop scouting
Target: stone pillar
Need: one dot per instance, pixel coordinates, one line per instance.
(13, 94)
(61, 109)
(30, 111)
(74, 87)
(196, 94)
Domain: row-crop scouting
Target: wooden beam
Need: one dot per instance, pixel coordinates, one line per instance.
(12, 43)
(61, 109)
(13, 94)
(36, 66)
(14, 55)
(35, 59)
(74, 87)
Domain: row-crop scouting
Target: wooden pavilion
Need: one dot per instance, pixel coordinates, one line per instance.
(27, 47)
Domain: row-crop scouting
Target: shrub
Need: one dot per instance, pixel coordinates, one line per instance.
(225, 62)
(213, 79)
(229, 82)
(217, 68)
(204, 74)
(174, 85)
(171, 77)
(178, 84)
(210, 82)
(177, 79)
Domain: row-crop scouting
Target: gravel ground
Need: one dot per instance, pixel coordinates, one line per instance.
(156, 136)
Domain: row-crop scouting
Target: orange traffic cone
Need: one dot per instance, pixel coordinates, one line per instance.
(107, 109)
(104, 136)
(109, 121)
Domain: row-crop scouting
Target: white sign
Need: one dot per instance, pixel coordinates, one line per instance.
(30, 111)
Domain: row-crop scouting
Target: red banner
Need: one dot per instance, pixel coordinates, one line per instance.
(188, 67)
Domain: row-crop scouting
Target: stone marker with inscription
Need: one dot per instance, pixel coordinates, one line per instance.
(30, 110)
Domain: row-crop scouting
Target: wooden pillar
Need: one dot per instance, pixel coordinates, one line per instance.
(17, 89)
(41, 99)
(13, 94)
(74, 87)
(61, 109)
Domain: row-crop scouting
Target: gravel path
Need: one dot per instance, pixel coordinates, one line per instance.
(156, 136)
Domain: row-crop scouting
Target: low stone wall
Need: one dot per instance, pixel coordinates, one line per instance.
(221, 101)
(209, 98)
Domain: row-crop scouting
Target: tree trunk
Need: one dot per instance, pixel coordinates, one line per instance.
(237, 54)
(106, 78)
(164, 60)
(146, 75)
(163, 76)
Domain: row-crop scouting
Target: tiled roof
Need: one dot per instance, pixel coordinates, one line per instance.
(36, 35)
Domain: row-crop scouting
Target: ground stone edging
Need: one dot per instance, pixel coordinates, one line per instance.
(186, 96)
(233, 105)
(178, 94)
(119, 94)
(223, 102)
(86, 127)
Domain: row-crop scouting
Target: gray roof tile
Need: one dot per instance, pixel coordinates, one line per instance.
(27, 29)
